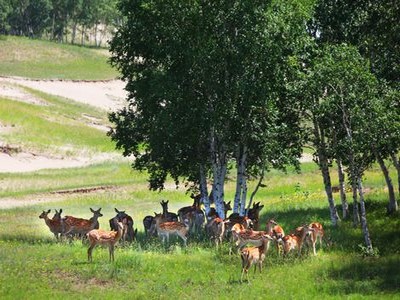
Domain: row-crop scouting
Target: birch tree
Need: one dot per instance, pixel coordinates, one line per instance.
(207, 83)
(352, 98)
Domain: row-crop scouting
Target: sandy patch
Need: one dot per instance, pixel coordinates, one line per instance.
(13, 92)
(108, 95)
(28, 162)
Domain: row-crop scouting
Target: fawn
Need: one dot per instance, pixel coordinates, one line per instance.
(55, 224)
(102, 237)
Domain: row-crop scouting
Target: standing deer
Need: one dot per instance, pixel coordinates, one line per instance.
(147, 223)
(275, 231)
(254, 214)
(193, 215)
(248, 236)
(253, 256)
(102, 237)
(128, 234)
(295, 240)
(216, 229)
(78, 226)
(54, 224)
(168, 216)
(165, 229)
(317, 233)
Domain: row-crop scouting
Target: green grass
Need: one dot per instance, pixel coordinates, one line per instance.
(48, 60)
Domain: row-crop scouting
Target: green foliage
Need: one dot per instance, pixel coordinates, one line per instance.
(53, 18)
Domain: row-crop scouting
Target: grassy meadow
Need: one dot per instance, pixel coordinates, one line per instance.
(33, 265)
(39, 59)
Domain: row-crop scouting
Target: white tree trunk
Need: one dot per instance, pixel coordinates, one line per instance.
(364, 216)
(203, 190)
(342, 189)
(392, 205)
(219, 165)
(397, 165)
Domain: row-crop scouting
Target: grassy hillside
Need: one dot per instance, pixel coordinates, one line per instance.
(56, 127)
(47, 60)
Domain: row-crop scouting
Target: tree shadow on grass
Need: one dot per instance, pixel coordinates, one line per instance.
(384, 229)
(366, 276)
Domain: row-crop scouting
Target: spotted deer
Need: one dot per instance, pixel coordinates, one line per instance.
(215, 228)
(248, 236)
(295, 240)
(54, 224)
(253, 256)
(193, 215)
(317, 233)
(235, 218)
(276, 232)
(78, 226)
(165, 229)
(107, 238)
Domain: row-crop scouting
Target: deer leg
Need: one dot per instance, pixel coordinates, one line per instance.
(111, 249)
(90, 250)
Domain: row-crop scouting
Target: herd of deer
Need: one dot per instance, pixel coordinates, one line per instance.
(243, 231)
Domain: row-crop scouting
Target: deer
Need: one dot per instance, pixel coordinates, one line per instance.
(235, 218)
(275, 231)
(216, 229)
(254, 214)
(317, 233)
(72, 225)
(54, 224)
(128, 234)
(147, 223)
(165, 229)
(102, 237)
(248, 236)
(193, 214)
(253, 256)
(169, 216)
(295, 240)
(213, 213)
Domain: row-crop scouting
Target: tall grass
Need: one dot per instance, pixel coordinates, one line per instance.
(40, 59)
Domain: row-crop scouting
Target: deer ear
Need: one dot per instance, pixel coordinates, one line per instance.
(49, 211)
(91, 209)
(116, 210)
(60, 211)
